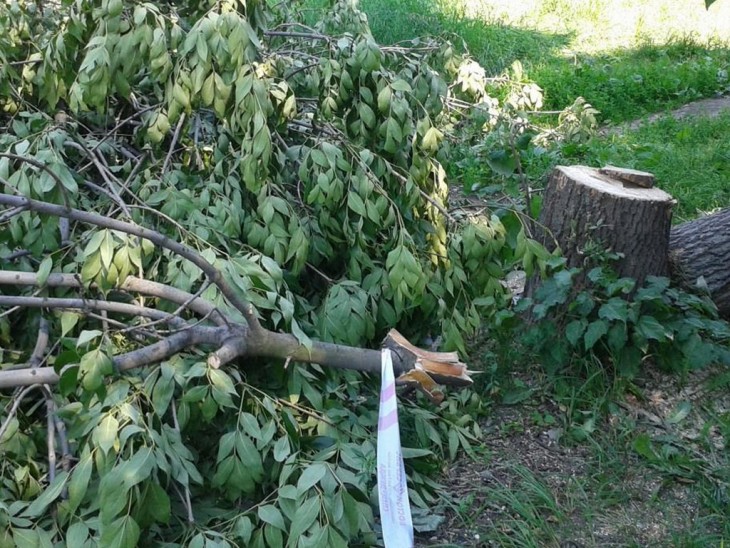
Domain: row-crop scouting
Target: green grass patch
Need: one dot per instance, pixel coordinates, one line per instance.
(627, 84)
(690, 159)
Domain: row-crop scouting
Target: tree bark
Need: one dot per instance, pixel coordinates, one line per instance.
(700, 250)
(586, 210)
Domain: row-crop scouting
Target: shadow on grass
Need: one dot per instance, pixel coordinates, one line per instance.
(496, 46)
(623, 84)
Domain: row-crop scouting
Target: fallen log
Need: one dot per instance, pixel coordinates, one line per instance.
(699, 255)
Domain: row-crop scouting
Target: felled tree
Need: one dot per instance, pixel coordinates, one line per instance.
(181, 182)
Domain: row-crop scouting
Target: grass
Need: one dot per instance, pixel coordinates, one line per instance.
(690, 159)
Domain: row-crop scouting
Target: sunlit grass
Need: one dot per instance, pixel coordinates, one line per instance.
(600, 26)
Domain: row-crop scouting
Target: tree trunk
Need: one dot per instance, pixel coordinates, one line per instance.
(700, 249)
(587, 211)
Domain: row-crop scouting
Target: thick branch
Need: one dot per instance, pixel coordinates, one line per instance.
(147, 355)
(213, 274)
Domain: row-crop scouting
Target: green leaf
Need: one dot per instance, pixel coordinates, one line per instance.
(77, 534)
(79, 481)
(221, 380)
(271, 514)
(574, 331)
(138, 468)
(502, 162)
(122, 533)
(274, 537)
(680, 413)
(158, 503)
(54, 490)
(243, 529)
(87, 336)
(250, 425)
(162, 395)
(249, 455)
(415, 452)
(650, 328)
(26, 538)
(68, 322)
(311, 475)
(304, 518)
(367, 115)
(355, 203)
(594, 332)
(44, 269)
(281, 449)
(106, 433)
(614, 309)
(642, 445)
(617, 337)
(401, 85)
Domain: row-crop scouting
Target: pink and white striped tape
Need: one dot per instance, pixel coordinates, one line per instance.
(395, 508)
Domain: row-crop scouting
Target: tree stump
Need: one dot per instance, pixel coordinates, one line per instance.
(584, 206)
(700, 249)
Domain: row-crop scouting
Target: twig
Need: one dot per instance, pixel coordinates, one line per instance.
(86, 304)
(60, 431)
(105, 174)
(120, 124)
(26, 62)
(41, 343)
(523, 179)
(137, 285)
(19, 254)
(301, 69)
(175, 137)
(292, 34)
(186, 499)
(177, 312)
(324, 276)
(11, 213)
(17, 400)
(214, 275)
(51, 437)
(101, 190)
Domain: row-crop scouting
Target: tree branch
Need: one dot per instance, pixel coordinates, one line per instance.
(213, 274)
(132, 284)
(147, 355)
(85, 304)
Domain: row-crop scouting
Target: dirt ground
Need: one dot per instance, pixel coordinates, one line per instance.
(591, 494)
(601, 496)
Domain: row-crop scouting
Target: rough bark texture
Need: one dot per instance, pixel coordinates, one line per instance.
(582, 205)
(701, 249)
